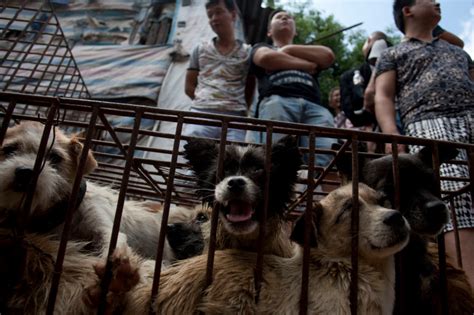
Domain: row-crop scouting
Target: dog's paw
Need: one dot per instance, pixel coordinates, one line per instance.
(125, 276)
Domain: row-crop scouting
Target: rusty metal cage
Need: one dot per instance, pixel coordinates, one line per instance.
(158, 173)
(34, 54)
(40, 81)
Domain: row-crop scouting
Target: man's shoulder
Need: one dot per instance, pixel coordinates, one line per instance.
(243, 47)
(394, 52)
(444, 45)
(209, 43)
(260, 45)
(399, 48)
(454, 52)
(202, 46)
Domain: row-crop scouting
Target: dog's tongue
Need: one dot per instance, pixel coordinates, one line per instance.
(239, 211)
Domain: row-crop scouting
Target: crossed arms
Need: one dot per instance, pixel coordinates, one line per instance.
(310, 58)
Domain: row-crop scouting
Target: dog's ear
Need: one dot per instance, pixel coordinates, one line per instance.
(199, 153)
(297, 235)
(75, 148)
(344, 164)
(286, 153)
(446, 153)
(285, 163)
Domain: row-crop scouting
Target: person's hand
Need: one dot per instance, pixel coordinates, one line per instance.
(312, 68)
(401, 148)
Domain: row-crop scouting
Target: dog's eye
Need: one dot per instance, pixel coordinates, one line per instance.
(257, 172)
(55, 158)
(345, 210)
(383, 200)
(201, 218)
(387, 198)
(9, 150)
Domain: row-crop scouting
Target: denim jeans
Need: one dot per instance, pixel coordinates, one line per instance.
(212, 131)
(298, 110)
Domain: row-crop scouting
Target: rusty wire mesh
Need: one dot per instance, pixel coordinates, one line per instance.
(40, 81)
(158, 172)
(34, 54)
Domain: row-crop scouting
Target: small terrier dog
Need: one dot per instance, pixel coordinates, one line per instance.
(93, 219)
(239, 194)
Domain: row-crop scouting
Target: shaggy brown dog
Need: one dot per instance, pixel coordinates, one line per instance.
(94, 217)
(239, 194)
(383, 232)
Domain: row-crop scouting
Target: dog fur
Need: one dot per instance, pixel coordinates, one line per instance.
(427, 214)
(29, 294)
(27, 269)
(459, 292)
(239, 194)
(93, 220)
(189, 234)
(383, 232)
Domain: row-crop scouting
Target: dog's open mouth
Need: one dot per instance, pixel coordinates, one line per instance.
(238, 211)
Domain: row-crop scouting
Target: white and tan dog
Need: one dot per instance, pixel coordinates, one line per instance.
(383, 232)
(93, 220)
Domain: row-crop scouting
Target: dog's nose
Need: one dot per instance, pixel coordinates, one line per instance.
(394, 220)
(22, 178)
(236, 184)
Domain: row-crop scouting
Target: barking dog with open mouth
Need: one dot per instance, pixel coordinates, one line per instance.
(383, 232)
(93, 219)
(427, 214)
(240, 193)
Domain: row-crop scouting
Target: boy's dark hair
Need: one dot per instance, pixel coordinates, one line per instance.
(229, 4)
(269, 22)
(270, 17)
(398, 6)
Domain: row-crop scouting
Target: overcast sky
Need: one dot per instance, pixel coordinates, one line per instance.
(457, 16)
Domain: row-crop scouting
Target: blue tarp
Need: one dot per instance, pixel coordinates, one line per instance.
(123, 71)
